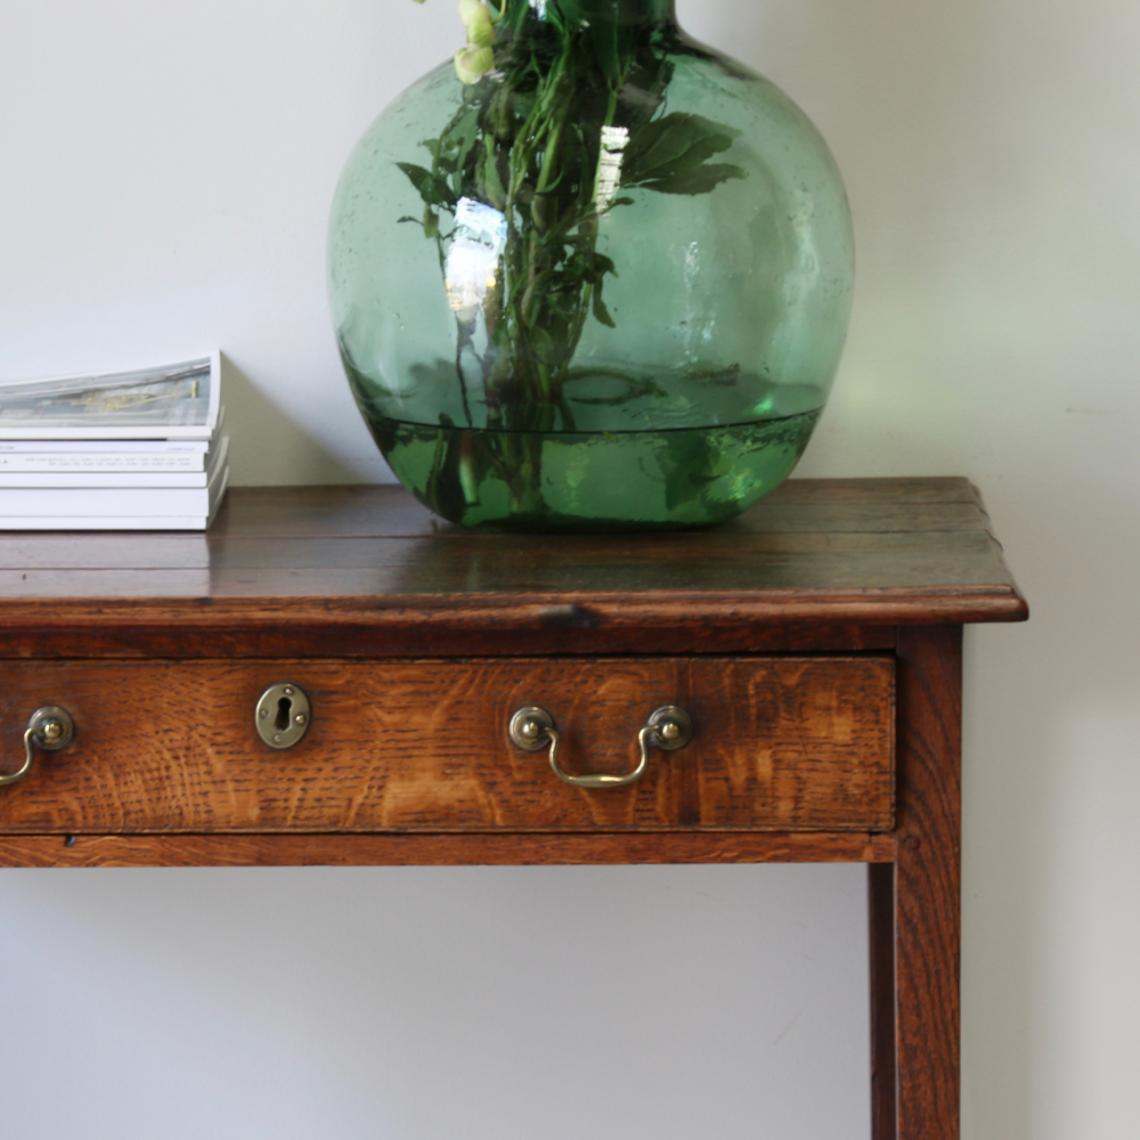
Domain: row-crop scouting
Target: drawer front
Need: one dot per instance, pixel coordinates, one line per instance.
(779, 744)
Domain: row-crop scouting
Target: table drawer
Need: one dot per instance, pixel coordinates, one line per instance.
(778, 744)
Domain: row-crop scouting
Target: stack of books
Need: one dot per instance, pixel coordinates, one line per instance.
(140, 450)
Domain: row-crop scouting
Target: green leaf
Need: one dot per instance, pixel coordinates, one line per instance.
(604, 37)
(594, 267)
(601, 310)
(453, 148)
(494, 192)
(543, 343)
(643, 95)
(429, 223)
(703, 180)
(613, 204)
(430, 187)
(662, 154)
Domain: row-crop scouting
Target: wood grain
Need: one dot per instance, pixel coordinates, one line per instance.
(285, 571)
(801, 504)
(927, 888)
(423, 850)
(781, 744)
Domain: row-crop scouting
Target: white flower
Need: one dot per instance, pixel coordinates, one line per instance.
(478, 22)
(478, 57)
(472, 63)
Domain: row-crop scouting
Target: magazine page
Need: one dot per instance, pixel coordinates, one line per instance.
(168, 402)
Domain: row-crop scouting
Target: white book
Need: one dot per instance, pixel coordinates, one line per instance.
(110, 455)
(108, 523)
(178, 401)
(74, 472)
(54, 505)
(17, 448)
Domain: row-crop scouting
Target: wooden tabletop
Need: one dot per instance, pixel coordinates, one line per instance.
(366, 570)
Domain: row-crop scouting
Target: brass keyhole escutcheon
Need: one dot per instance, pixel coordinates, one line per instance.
(283, 715)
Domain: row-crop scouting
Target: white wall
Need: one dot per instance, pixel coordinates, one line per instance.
(166, 173)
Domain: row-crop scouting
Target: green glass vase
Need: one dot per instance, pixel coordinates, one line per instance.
(591, 274)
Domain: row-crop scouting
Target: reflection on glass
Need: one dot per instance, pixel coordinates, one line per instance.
(473, 257)
(614, 142)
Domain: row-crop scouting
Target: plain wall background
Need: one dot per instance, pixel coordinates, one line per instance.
(165, 176)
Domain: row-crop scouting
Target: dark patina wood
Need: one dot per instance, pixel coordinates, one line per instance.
(366, 572)
(927, 872)
(786, 634)
(424, 850)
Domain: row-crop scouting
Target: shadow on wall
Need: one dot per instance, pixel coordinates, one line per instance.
(285, 452)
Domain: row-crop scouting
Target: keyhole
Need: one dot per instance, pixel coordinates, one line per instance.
(282, 716)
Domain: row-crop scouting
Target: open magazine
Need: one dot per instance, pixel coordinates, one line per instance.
(180, 401)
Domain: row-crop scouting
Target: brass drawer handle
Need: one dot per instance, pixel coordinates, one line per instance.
(50, 729)
(669, 728)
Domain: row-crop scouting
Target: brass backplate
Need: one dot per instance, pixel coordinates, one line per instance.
(283, 715)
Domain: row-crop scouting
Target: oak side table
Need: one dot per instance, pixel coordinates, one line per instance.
(331, 677)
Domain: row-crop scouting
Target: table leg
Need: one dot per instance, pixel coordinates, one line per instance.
(924, 892)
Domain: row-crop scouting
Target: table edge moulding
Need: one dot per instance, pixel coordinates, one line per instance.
(332, 677)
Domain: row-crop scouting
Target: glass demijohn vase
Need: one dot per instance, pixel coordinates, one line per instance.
(592, 274)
